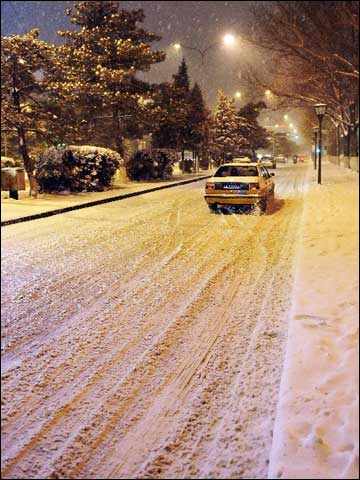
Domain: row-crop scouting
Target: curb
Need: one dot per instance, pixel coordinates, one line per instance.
(50, 213)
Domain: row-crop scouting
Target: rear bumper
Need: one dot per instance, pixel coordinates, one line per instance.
(223, 199)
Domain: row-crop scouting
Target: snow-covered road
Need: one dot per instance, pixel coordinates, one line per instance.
(145, 338)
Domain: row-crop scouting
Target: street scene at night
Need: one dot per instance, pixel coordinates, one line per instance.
(180, 240)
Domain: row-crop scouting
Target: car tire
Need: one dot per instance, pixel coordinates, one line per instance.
(263, 204)
(213, 207)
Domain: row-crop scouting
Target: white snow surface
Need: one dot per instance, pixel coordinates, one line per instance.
(146, 338)
(317, 425)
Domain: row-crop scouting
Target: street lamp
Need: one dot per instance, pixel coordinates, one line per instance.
(228, 40)
(320, 110)
(315, 132)
(238, 94)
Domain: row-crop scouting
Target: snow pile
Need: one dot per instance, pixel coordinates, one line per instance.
(316, 429)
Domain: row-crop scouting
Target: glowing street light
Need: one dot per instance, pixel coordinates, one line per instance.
(229, 40)
(268, 92)
(238, 94)
(177, 46)
(286, 117)
(291, 125)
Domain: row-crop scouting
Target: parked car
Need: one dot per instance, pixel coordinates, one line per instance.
(235, 184)
(280, 159)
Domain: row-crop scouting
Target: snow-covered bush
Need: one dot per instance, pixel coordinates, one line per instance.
(10, 162)
(76, 169)
(153, 164)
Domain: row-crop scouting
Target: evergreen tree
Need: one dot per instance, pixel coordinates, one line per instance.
(174, 102)
(99, 62)
(182, 97)
(181, 79)
(197, 121)
(25, 63)
(225, 137)
(171, 118)
(249, 128)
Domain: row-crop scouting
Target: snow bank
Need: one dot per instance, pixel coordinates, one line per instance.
(316, 430)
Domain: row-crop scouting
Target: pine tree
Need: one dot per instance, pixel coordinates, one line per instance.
(248, 127)
(197, 121)
(174, 101)
(182, 97)
(181, 79)
(99, 62)
(225, 129)
(25, 63)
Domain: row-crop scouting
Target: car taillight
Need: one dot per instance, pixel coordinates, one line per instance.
(253, 186)
(210, 186)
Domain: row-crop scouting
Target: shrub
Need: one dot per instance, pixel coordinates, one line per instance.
(10, 162)
(77, 169)
(153, 164)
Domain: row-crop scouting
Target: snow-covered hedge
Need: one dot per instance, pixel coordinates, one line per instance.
(153, 164)
(10, 162)
(77, 169)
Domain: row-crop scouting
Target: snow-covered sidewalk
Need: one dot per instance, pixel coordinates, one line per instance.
(316, 429)
(27, 206)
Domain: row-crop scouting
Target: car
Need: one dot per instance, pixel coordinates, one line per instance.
(268, 162)
(236, 184)
(280, 159)
(241, 159)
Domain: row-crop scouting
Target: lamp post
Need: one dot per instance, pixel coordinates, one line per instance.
(228, 41)
(315, 131)
(320, 109)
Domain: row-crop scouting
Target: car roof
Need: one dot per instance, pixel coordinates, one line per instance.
(241, 164)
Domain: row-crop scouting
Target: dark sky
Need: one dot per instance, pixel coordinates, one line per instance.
(196, 24)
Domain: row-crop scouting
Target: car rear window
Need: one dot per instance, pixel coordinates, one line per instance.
(243, 171)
